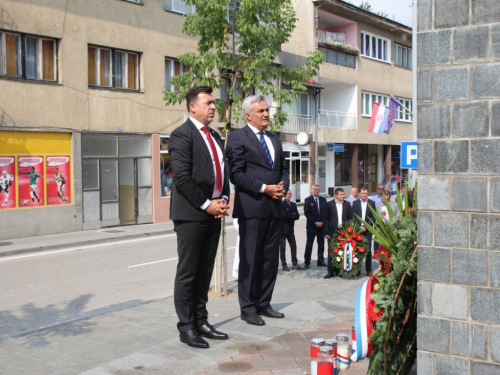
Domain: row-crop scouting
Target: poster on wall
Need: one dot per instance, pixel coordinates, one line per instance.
(7, 185)
(58, 182)
(30, 181)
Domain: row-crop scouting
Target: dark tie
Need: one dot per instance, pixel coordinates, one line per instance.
(317, 203)
(218, 177)
(266, 149)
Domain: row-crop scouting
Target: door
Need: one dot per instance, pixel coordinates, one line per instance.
(144, 191)
(110, 194)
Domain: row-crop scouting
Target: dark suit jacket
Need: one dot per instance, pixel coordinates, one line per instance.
(356, 208)
(332, 217)
(249, 169)
(289, 214)
(311, 211)
(193, 172)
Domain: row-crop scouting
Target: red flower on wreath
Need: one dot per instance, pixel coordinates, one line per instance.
(342, 243)
(339, 237)
(374, 312)
(361, 249)
(383, 256)
(342, 232)
(353, 243)
(360, 237)
(349, 230)
(348, 239)
(336, 250)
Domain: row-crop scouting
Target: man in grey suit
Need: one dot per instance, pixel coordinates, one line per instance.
(259, 171)
(200, 191)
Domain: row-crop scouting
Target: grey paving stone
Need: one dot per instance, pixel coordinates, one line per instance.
(434, 335)
(450, 301)
(451, 84)
(481, 368)
(469, 194)
(424, 363)
(485, 81)
(495, 114)
(434, 48)
(485, 305)
(425, 157)
(424, 85)
(471, 120)
(495, 343)
(485, 155)
(424, 21)
(484, 231)
(425, 228)
(424, 291)
(433, 121)
(450, 365)
(451, 229)
(495, 268)
(451, 13)
(485, 11)
(451, 157)
(470, 44)
(495, 41)
(469, 340)
(434, 264)
(433, 193)
(470, 267)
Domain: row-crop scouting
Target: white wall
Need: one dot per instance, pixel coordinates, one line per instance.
(339, 97)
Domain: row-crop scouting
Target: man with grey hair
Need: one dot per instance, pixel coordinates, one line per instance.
(259, 171)
(353, 195)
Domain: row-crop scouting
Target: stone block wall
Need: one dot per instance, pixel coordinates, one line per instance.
(458, 130)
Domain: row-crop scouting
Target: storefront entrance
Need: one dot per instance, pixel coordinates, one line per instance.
(299, 165)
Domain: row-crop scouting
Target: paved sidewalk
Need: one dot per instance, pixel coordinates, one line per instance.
(143, 339)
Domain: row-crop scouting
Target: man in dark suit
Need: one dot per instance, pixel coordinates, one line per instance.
(259, 171)
(360, 208)
(200, 192)
(289, 214)
(314, 211)
(338, 211)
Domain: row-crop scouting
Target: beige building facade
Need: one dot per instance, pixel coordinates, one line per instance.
(81, 87)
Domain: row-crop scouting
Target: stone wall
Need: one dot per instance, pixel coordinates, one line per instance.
(458, 88)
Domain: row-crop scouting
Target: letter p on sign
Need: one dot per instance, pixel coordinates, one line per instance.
(409, 155)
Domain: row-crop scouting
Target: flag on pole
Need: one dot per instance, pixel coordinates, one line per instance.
(383, 117)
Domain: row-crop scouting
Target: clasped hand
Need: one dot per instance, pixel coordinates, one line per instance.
(218, 208)
(275, 191)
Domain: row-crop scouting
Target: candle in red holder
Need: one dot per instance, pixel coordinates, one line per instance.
(332, 343)
(315, 345)
(325, 361)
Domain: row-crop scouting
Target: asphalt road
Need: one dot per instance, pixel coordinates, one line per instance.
(40, 290)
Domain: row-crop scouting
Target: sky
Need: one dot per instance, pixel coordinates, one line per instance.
(399, 10)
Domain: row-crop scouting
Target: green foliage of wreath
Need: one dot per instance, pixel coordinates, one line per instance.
(350, 232)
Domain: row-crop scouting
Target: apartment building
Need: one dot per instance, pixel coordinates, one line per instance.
(367, 59)
(84, 129)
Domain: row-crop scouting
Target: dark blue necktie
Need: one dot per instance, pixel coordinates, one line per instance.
(266, 149)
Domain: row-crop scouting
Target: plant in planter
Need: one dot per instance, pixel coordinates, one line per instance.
(342, 47)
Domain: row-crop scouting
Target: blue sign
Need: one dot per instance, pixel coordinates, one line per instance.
(335, 147)
(409, 155)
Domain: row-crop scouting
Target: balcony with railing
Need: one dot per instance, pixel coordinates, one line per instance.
(337, 120)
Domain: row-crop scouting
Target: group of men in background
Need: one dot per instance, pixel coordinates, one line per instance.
(323, 219)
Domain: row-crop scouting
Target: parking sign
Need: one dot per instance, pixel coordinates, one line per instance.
(409, 155)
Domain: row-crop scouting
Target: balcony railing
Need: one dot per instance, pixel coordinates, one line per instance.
(337, 120)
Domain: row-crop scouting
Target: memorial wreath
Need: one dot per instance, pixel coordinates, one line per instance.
(348, 249)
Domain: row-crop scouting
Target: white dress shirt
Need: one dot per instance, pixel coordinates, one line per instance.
(339, 212)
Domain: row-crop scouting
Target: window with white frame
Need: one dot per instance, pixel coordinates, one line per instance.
(299, 106)
(403, 56)
(375, 47)
(38, 62)
(173, 68)
(113, 68)
(404, 114)
(367, 100)
(178, 6)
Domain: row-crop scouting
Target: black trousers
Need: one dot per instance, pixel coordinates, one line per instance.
(311, 234)
(293, 248)
(259, 260)
(197, 243)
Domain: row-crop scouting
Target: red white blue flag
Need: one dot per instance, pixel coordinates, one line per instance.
(383, 117)
(362, 324)
(348, 257)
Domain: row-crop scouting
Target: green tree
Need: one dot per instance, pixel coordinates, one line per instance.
(365, 5)
(239, 45)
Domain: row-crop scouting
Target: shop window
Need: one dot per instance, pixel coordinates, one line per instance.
(165, 168)
(104, 64)
(39, 58)
(343, 166)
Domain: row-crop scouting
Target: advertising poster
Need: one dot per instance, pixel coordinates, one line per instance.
(30, 180)
(7, 183)
(58, 181)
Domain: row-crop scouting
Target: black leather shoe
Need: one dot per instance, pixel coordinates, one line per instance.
(208, 331)
(322, 264)
(296, 267)
(285, 268)
(253, 318)
(271, 313)
(193, 338)
(306, 267)
(328, 275)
